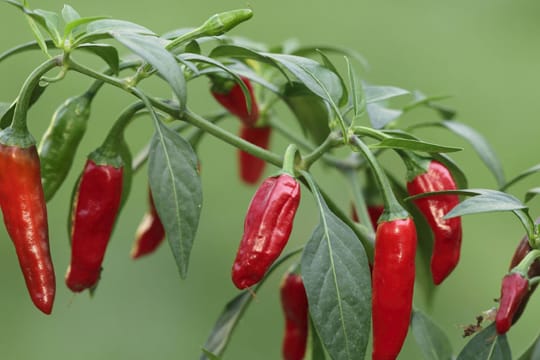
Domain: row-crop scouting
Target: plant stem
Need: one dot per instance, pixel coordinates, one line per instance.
(333, 139)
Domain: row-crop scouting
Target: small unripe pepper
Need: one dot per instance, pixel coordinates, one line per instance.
(231, 96)
(393, 284)
(267, 227)
(446, 232)
(295, 308)
(252, 167)
(514, 290)
(150, 233)
(25, 216)
(59, 143)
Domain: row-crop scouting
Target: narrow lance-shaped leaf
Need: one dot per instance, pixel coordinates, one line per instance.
(379, 93)
(381, 116)
(531, 193)
(177, 192)
(486, 345)
(487, 202)
(533, 351)
(337, 280)
(413, 145)
(108, 53)
(432, 341)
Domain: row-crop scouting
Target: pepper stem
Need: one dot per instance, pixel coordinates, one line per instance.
(291, 158)
(524, 265)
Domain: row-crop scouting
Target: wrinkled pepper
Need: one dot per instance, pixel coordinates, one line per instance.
(252, 167)
(60, 142)
(230, 95)
(514, 289)
(150, 233)
(393, 284)
(294, 303)
(267, 227)
(446, 232)
(25, 216)
(95, 208)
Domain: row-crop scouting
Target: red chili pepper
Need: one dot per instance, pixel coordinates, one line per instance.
(514, 289)
(393, 284)
(95, 209)
(25, 216)
(251, 167)
(232, 98)
(267, 228)
(447, 232)
(295, 307)
(374, 212)
(150, 233)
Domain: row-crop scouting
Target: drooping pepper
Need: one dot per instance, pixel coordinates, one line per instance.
(267, 227)
(150, 233)
(295, 308)
(230, 95)
(393, 285)
(514, 290)
(60, 142)
(446, 232)
(25, 217)
(252, 167)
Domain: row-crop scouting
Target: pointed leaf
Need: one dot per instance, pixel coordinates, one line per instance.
(413, 145)
(103, 29)
(317, 348)
(481, 146)
(76, 25)
(533, 351)
(486, 345)
(530, 171)
(380, 93)
(531, 193)
(430, 338)
(176, 188)
(488, 202)
(108, 53)
(381, 116)
(345, 95)
(152, 50)
(51, 21)
(69, 14)
(210, 356)
(337, 280)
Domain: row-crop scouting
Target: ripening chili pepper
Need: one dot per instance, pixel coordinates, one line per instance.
(25, 216)
(252, 167)
(514, 289)
(150, 233)
(267, 227)
(446, 232)
(393, 284)
(96, 205)
(59, 143)
(295, 308)
(231, 96)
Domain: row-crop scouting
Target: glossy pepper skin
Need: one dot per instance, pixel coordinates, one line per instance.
(267, 227)
(150, 233)
(59, 143)
(25, 216)
(393, 284)
(251, 167)
(514, 289)
(294, 303)
(446, 232)
(234, 101)
(96, 205)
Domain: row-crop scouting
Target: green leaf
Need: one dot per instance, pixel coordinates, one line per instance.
(531, 193)
(530, 171)
(533, 351)
(413, 145)
(176, 188)
(491, 201)
(38, 35)
(357, 94)
(338, 284)
(345, 95)
(480, 145)
(310, 110)
(380, 116)
(209, 355)
(302, 51)
(486, 345)
(75, 27)
(108, 53)
(103, 29)
(458, 174)
(380, 93)
(152, 50)
(432, 341)
(51, 22)
(69, 14)
(226, 323)
(317, 348)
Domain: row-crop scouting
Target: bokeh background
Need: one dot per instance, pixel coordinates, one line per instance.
(484, 53)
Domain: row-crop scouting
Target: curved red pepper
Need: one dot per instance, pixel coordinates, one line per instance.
(252, 167)
(393, 285)
(25, 216)
(150, 233)
(234, 101)
(514, 289)
(295, 308)
(446, 232)
(95, 209)
(267, 228)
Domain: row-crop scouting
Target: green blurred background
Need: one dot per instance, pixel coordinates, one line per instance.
(484, 53)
